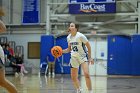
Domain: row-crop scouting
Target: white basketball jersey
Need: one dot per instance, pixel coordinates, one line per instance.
(77, 43)
(2, 54)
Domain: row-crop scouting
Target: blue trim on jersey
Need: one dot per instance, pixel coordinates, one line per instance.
(71, 66)
(84, 48)
(1, 64)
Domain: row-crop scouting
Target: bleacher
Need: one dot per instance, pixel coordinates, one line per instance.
(16, 48)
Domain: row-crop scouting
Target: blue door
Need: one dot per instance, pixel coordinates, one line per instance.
(136, 55)
(119, 55)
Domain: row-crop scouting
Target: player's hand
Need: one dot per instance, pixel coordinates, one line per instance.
(2, 27)
(91, 61)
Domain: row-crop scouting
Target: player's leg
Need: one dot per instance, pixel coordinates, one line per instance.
(49, 68)
(53, 68)
(74, 77)
(87, 76)
(74, 64)
(24, 70)
(74, 71)
(5, 83)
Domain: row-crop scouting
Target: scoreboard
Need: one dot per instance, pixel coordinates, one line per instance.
(92, 6)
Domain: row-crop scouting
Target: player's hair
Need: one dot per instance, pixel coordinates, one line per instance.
(76, 26)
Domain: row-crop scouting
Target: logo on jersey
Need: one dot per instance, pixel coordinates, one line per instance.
(74, 43)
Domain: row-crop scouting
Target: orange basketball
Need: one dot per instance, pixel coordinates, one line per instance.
(56, 51)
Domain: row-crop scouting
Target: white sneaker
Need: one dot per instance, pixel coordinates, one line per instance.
(21, 74)
(79, 90)
(16, 74)
(25, 71)
(49, 73)
(90, 91)
(53, 74)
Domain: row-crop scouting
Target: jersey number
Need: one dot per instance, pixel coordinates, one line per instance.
(74, 48)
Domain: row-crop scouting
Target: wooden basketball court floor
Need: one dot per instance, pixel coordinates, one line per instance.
(63, 84)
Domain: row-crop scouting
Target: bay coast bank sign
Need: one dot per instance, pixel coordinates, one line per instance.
(92, 7)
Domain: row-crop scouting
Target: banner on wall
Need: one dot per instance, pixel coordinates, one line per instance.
(31, 13)
(92, 6)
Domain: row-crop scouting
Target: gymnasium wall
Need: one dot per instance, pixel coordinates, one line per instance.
(16, 16)
(62, 41)
(136, 55)
(62, 63)
(123, 55)
(23, 40)
(134, 65)
(99, 52)
(119, 55)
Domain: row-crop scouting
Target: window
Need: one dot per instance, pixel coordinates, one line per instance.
(33, 50)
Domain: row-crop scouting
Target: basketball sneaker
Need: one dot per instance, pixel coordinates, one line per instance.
(49, 73)
(53, 74)
(90, 91)
(16, 74)
(79, 90)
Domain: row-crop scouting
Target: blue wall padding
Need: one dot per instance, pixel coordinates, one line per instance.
(119, 55)
(136, 55)
(47, 42)
(62, 41)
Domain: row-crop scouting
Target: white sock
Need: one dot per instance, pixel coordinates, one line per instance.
(90, 91)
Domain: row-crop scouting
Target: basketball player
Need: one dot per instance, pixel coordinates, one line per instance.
(3, 81)
(76, 45)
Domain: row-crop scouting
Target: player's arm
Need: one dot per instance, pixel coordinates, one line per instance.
(2, 27)
(86, 42)
(89, 49)
(68, 49)
(89, 52)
